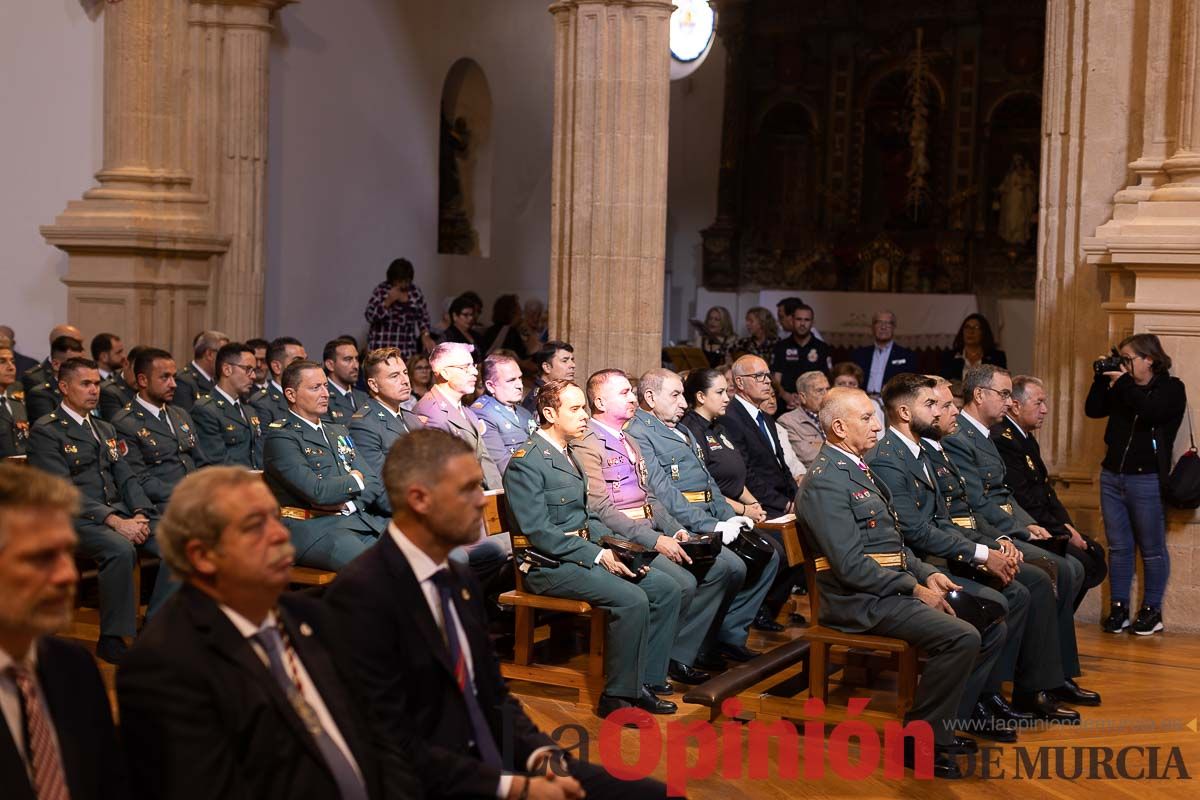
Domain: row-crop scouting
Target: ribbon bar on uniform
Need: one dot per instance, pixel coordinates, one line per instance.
(638, 512)
(964, 522)
(698, 497)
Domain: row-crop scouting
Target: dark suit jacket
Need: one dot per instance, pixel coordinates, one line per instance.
(901, 360)
(767, 476)
(1027, 478)
(83, 723)
(403, 666)
(202, 717)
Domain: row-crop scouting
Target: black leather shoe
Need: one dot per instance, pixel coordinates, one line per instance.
(609, 703)
(1043, 706)
(996, 706)
(1071, 692)
(711, 662)
(111, 649)
(763, 622)
(681, 672)
(737, 652)
(648, 702)
(660, 689)
(944, 765)
(986, 725)
(963, 745)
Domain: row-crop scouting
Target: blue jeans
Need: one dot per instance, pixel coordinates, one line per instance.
(1134, 515)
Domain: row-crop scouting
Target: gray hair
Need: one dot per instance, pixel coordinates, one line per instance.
(192, 514)
(980, 377)
(875, 317)
(1021, 385)
(441, 354)
(805, 382)
(837, 406)
(652, 381)
(209, 340)
(23, 487)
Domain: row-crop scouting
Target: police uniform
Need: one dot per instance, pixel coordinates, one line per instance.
(866, 577)
(36, 376)
(678, 479)
(957, 492)
(1030, 656)
(791, 360)
(94, 464)
(190, 385)
(436, 411)
(161, 450)
(42, 399)
(375, 429)
(14, 423)
(547, 496)
(308, 470)
(115, 394)
(505, 428)
(230, 432)
(343, 405)
(1026, 476)
(270, 403)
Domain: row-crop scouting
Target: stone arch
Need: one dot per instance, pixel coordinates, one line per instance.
(465, 161)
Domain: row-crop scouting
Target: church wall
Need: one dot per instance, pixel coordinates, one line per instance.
(353, 179)
(51, 85)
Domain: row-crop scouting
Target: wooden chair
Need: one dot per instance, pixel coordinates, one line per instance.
(588, 681)
(899, 654)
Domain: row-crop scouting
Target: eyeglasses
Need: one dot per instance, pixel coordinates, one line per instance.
(463, 367)
(249, 370)
(1005, 395)
(758, 377)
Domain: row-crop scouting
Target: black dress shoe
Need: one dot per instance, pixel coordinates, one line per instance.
(1044, 707)
(1071, 692)
(963, 745)
(944, 765)
(797, 619)
(681, 672)
(648, 702)
(111, 649)
(609, 703)
(711, 662)
(986, 725)
(998, 707)
(763, 622)
(660, 689)
(738, 652)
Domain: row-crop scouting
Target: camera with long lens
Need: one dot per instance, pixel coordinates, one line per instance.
(1110, 363)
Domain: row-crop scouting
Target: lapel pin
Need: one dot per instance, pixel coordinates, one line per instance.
(466, 596)
(305, 629)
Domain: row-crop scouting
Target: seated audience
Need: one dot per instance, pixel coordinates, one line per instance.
(454, 373)
(14, 421)
(24, 362)
(795, 466)
(43, 372)
(270, 401)
(397, 314)
(340, 358)
(57, 740)
(261, 372)
(118, 390)
(508, 331)
(755, 436)
(506, 422)
(420, 376)
(762, 335)
(109, 352)
(554, 362)
(229, 429)
(238, 691)
(537, 321)
(803, 429)
(801, 352)
(974, 344)
(884, 359)
(196, 379)
(463, 316)
(315, 473)
(44, 397)
(383, 419)
(846, 375)
(717, 338)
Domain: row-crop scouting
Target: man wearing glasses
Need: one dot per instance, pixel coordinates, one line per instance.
(228, 427)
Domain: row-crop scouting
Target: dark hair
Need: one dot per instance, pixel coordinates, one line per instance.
(473, 298)
(494, 360)
(847, 368)
(400, 269)
(550, 396)
(256, 343)
(330, 351)
(103, 343)
(63, 345)
(379, 356)
(291, 374)
(506, 309)
(460, 304)
(146, 358)
(1148, 346)
(278, 349)
(134, 352)
(597, 380)
(230, 354)
(979, 377)
(789, 305)
(699, 380)
(549, 351)
(903, 388)
(803, 307)
(989, 339)
(73, 365)
(421, 456)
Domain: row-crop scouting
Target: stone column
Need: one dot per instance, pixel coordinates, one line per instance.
(609, 180)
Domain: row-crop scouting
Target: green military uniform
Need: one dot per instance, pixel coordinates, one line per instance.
(343, 406)
(270, 403)
(115, 394)
(375, 429)
(94, 464)
(547, 495)
(953, 487)
(42, 399)
(190, 386)
(36, 376)
(308, 470)
(14, 423)
(162, 450)
(866, 577)
(229, 433)
(1030, 656)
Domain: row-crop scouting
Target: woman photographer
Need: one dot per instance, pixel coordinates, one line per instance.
(1144, 404)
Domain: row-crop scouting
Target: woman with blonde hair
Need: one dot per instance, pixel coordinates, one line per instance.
(762, 336)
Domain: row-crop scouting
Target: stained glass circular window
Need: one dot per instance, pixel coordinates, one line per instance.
(692, 25)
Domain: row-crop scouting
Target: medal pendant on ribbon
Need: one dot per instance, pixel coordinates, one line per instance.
(303, 710)
(674, 472)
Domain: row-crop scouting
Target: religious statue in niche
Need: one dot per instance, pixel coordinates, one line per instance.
(456, 235)
(917, 195)
(1017, 202)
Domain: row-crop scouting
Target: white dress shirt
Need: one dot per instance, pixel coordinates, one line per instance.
(987, 434)
(879, 363)
(199, 371)
(11, 706)
(754, 411)
(156, 411)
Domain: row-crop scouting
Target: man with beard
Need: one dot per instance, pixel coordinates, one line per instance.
(341, 363)
(236, 690)
(157, 439)
(229, 428)
(57, 738)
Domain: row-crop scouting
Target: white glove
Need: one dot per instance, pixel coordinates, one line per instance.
(729, 530)
(746, 523)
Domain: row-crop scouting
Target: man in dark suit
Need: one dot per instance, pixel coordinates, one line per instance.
(416, 630)
(1027, 478)
(57, 735)
(884, 359)
(234, 691)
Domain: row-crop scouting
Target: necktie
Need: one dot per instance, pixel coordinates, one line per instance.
(4, 404)
(350, 785)
(49, 780)
(237, 406)
(87, 423)
(484, 741)
(762, 427)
